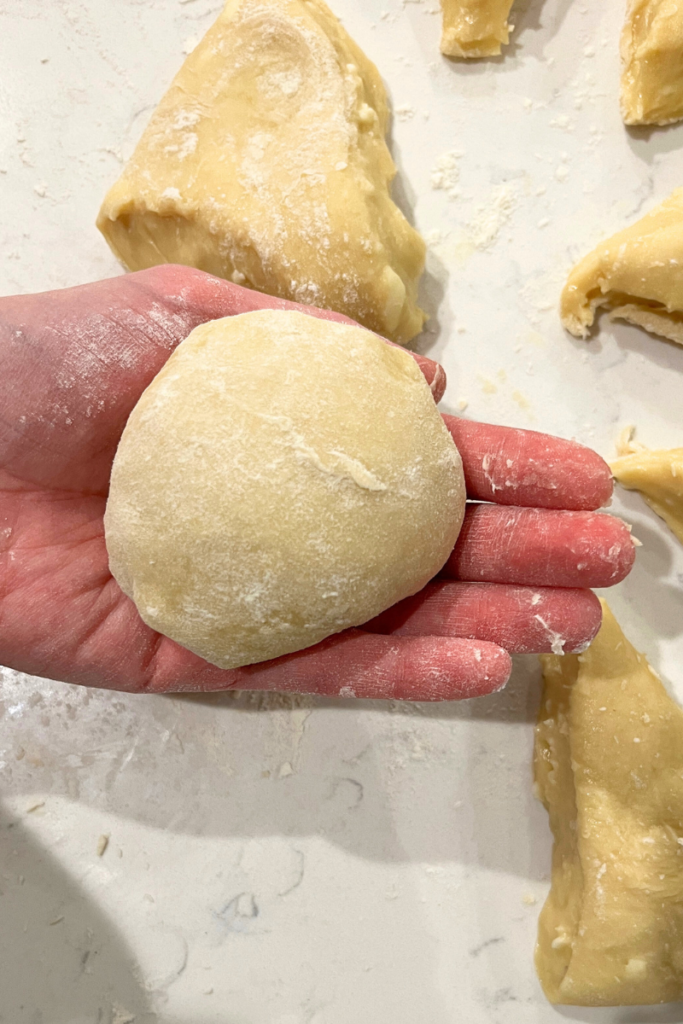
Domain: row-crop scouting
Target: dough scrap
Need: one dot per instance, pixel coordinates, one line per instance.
(281, 479)
(636, 273)
(609, 769)
(658, 475)
(475, 28)
(652, 62)
(266, 163)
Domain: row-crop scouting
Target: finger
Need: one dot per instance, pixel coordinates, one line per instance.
(212, 298)
(523, 467)
(353, 664)
(523, 620)
(433, 373)
(541, 548)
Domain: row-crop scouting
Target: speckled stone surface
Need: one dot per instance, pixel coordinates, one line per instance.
(279, 861)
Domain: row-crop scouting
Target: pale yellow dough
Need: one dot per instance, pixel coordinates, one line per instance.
(637, 274)
(652, 62)
(609, 769)
(266, 163)
(658, 475)
(281, 479)
(475, 28)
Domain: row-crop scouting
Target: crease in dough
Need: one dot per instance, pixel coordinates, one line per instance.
(658, 475)
(608, 766)
(266, 163)
(652, 62)
(475, 28)
(636, 274)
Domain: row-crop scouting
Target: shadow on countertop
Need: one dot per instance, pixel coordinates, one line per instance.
(250, 765)
(61, 960)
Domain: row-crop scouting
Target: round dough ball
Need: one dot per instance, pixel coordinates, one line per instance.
(281, 479)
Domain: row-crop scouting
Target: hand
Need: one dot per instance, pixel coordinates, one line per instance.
(72, 366)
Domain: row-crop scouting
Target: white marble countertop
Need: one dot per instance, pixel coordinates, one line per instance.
(279, 861)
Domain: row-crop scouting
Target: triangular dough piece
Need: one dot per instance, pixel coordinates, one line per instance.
(658, 475)
(637, 273)
(475, 28)
(652, 62)
(609, 769)
(266, 163)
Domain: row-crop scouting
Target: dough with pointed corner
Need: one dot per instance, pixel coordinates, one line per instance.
(636, 274)
(281, 479)
(266, 163)
(609, 769)
(658, 475)
(652, 62)
(475, 28)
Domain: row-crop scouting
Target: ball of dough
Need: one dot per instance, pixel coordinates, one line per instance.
(282, 478)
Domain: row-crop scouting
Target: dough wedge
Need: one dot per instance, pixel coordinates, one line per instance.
(636, 274)
(609, 769)
(266, 163)
(658, 475)
(652, 62)
(475, 28)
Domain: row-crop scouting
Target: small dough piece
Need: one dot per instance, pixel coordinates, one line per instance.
(652, 62)
(281, 479)
(609, 769)
(636, 273)
(475, 28)
(266, 163)
(658, 475)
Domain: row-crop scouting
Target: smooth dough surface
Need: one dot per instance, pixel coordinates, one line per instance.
(635, 273)
(266, 163)
(652, 62)
(475, 28)
(609, 768)
(658, 475)
(281, 479)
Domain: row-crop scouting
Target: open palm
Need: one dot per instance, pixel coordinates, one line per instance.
(72, 366)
